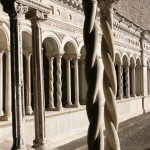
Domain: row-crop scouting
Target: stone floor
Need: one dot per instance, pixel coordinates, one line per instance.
(134, 134)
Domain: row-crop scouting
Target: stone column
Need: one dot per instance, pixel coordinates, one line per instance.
(127, 82)
(38, 82)
(120, 81)
(133, 80)
(7, 115)
(76, 82)
(83, 82)
(138, 84)
(28, 108)
(1, 82)
(68, 75)
(51, 89)
(59, 82)
(18, 113)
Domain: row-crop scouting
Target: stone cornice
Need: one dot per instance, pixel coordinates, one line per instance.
(75, 5)
(120, 22)
(35, 5)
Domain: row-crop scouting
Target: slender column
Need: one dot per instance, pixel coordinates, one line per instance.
(127, 82)
(83, 82)
(138, 80)
(120, 82)
(51, 89)
(18, 113)
(38, 88)
(69, 103)
(76, 83)
(59, 82)
(7, 115)
(133, 80)
(28, 108)
(1, 82)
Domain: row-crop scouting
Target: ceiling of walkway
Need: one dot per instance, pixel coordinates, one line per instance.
(137, 11)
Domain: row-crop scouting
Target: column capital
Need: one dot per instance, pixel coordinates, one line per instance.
(59, 55)
(67, 57)
(36, 15)
(27, 52)
(14, 8)
(76, 56)
(1, 50)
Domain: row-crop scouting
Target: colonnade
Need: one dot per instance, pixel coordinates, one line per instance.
(129, 80)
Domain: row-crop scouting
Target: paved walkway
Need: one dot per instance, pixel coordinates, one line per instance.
(134, 134)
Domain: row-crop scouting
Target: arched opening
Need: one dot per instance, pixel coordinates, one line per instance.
(50, 47)
(82, 78)
(138, 77)
(27, 72)
(132, 76)
(5, 86)
(125, 76)
(118, 69)
(68, 71)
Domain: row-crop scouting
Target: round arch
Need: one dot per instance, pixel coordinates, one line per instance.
(51, 41)
(70, 44)
(117, 58)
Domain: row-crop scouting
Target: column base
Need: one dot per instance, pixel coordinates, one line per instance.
(1, 113)
(51, 108)
(76, 105)
(28, 111)
(5, 118)
(59, 109)
(40, 144)
(17, 148)
(70, 105)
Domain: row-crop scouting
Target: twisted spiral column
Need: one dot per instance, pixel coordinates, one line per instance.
(59, 82)
(109, 76)
(127, 82)
(120, 74)
(95, 137)
(51, 89)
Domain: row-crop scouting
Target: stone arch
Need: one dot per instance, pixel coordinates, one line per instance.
(138, 61)
(70, 45)
(125, 60)
(118, 58)
(51, 41)
(4, 42)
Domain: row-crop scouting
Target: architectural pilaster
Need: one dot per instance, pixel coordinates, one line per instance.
(28, 109)
(7, 115)
(51, 89)
(1, 82)
(18, 114)
(59, 82)
(68, 75)
(127, 82)
(120, 81)
(76, 82)
(36, 17)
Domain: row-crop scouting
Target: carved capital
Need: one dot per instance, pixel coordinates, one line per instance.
(36, 15)
(13, 8)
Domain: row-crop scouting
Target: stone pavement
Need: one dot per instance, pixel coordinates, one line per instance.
(134, 134)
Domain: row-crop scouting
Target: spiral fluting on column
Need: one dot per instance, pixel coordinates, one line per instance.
(127, 82)
(59, 82)
(51, 89)
(95, 137)
(109, 76)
